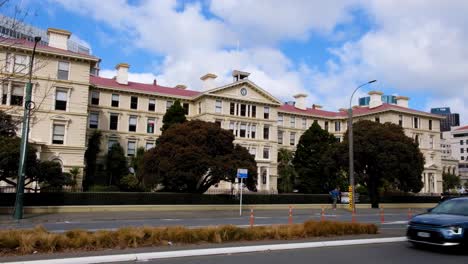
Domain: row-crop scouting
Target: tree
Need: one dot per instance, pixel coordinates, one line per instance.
(195, 155)
(312, 161)
(174, 115)
(9, 157)
(136, 164)
(450, 181)
(91, 154)
(50, 175)
(383, 153)
(286, 172)
(8, 126)
(116, 164)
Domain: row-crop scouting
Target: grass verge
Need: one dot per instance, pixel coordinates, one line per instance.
(21, 242)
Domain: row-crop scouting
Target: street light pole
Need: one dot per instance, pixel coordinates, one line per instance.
(28, 105)
(351, 146)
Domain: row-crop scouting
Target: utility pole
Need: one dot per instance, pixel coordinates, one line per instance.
(28, 105)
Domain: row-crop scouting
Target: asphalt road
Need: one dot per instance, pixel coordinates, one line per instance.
(63, 222)
(391, 253)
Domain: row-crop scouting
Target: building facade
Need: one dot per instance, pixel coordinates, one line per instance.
(75, 102)
(459, 145)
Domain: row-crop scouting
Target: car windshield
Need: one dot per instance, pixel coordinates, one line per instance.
(456, 207)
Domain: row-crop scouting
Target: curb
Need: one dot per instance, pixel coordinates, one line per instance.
(211, 251)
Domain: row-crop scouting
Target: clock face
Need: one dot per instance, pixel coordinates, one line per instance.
(243, 91)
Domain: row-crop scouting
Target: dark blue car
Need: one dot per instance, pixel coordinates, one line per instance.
(444, 225)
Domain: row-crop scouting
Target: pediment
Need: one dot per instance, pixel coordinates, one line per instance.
(60, 118)
(245, 90)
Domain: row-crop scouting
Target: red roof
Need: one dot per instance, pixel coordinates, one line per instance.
(157, 89)
(308, 111)
(356, 111)
(29, 44)
(462, 128)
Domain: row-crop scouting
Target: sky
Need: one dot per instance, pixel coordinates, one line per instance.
(415, 48)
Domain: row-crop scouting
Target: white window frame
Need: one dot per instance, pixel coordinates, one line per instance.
(136, 122)
(134, 148)
(68, 70)
(90, 119)
(304, 123)
(67, 91)
(219, 106)
(65, 128)
(267, 151)
(280, 121)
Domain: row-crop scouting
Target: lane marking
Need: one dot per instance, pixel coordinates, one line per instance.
(211, 251)
(395, 223)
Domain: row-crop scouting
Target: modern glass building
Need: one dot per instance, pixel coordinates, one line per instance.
(451, 119)
(386, 99)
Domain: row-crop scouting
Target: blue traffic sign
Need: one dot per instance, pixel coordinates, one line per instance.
(242, 173)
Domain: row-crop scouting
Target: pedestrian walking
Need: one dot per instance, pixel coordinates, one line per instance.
(335, 195)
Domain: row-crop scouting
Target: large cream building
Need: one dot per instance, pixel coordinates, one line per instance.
(71, 102)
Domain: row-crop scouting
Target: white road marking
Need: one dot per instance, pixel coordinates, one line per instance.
(395, 223)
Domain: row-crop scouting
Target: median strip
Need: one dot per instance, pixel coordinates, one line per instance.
(23, 242)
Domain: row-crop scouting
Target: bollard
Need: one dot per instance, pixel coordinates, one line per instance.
(290, 220)
(322, 215)
(251, 217)
(382, 217)
(353, 216)
(410, 214)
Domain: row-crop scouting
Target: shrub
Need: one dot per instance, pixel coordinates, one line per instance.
(38, 239)
(104, 188)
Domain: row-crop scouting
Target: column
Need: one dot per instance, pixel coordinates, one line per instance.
(268, 179)
(9, 93)
(259, 176)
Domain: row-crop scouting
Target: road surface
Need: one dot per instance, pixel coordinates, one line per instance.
(391, 253)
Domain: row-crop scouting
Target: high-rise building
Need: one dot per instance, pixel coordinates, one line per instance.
(386, 99)
(451, 119)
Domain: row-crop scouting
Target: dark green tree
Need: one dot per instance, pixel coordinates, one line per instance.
(450, 181)
(8, 126)
(195, 155)
(383, 153)
(286, 172)
(136, 162)
(50, 175)
(116, 164)
(312, 161)
(91, 154)
(174, 115)
(9, 157)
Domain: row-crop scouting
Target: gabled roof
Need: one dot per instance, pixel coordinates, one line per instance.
(462, 128)
(359, 111)
(143, 87)
(249, 83)
(24, 43)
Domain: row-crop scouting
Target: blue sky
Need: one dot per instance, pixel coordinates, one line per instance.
(322, 48)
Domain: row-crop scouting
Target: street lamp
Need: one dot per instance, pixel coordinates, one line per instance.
(351, 145)
(28, 105)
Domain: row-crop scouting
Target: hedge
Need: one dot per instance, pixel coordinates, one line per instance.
(128, 198)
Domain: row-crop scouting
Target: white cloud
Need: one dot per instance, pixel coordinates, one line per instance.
(413, 48)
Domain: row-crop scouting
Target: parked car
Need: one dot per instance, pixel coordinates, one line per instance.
(444, 225)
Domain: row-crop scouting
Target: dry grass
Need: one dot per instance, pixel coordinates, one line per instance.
(20, 242)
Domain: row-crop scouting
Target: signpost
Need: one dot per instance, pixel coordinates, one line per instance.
(241, 174)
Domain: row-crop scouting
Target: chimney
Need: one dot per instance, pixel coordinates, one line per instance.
(402, 101)
(155, 82)
(316, 106)
(208, 81)
(343, 110)
(122, 73)
(375, 99)
(239, 75)
(58, 38)
(181, 86)
(300, 101)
